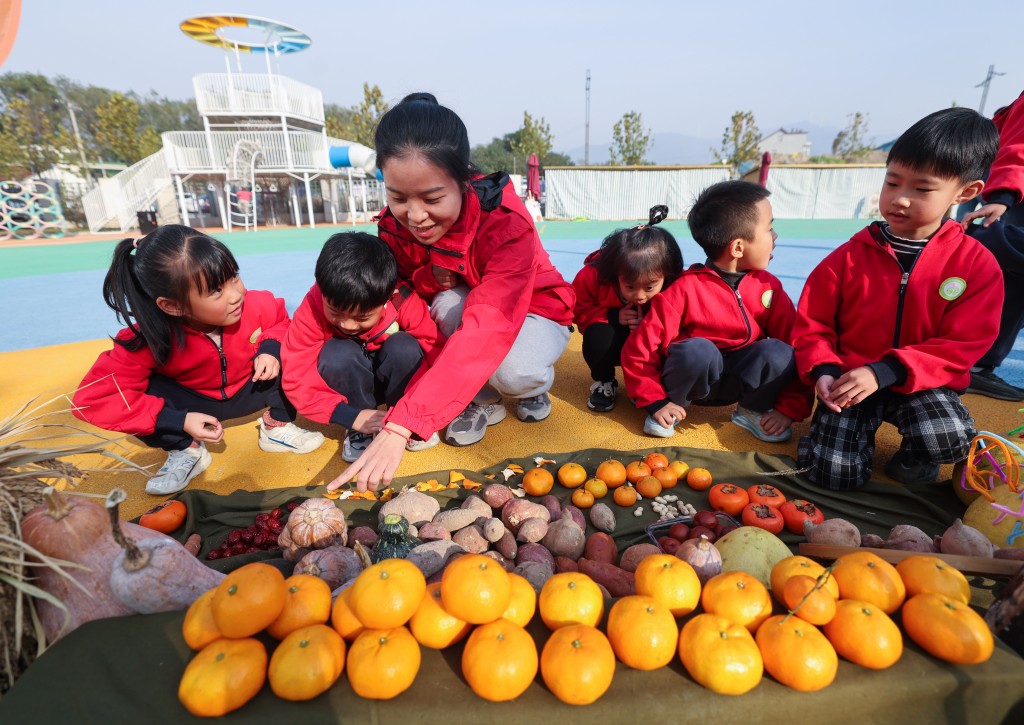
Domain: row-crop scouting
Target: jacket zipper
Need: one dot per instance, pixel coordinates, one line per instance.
(223, 366)
(746, 320)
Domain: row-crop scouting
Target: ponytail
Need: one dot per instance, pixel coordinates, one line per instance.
(641, 251)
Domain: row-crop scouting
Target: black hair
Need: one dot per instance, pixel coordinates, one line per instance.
(356, 271)
(954, 143)
(421, 125)
(723, 212)
(167, 262)
(641, 252)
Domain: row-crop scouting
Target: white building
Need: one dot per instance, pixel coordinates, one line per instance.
(786, 146)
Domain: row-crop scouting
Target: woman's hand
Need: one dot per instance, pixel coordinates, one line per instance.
(265, 367)
(369, 421)
(376, 467)
(203, 427)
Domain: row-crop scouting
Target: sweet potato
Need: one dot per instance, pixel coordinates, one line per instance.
(432, 531)
(602, 517)
(455, 519)
(564, 564)
(416, 507)
(507, 545)
(535, 553)
(565, 538)
(532, 530)
(496, 495)
(535, 573)
(618, 582)
(432, 556)
(477, 504)
(516, 511)
(965, 540)
(905, 537)
(601, 547)
(553, 505)
(1013, 554)
(505, 563)
(471, 538)
(364, 535)
(493, 529)
(632, 556)
(835, 532)
(576, 515)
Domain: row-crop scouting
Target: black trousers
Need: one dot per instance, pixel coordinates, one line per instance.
(366, 378)
(602, 349)
(1005, 239)
(252, 397)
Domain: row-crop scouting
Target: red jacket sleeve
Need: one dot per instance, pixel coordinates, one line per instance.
(113, 396)
(1007, 174)
(643, 355)
(589, 308)
(300, 355)
(278, 319)
(814, 330)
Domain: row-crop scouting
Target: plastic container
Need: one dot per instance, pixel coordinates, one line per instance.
(657, 530)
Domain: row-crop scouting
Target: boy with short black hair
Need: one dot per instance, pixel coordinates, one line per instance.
(891, 322)
(720, 334)
(357, 341)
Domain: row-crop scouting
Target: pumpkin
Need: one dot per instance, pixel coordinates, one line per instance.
(394, 541)
(335, 565)
(702, 555)
(316, 524)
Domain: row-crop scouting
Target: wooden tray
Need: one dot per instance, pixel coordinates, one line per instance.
(984, 565)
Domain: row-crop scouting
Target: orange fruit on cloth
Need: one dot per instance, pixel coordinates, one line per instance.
(642, 632)
(635, 470)
(386, 594)
(680, 468)
(572, 475)
(666, 477)
(199, 627)
(612, 472)
(577, 664)
(931, 574)
(582, 499)
(383, 663)
(307, 602)
(655, 460)
(800, 596)
(523, 604)
(648, 487)
(794, 565)
(796, 654)
(538, 482)
(699, 479)
(343, 619)
(947, 629)
(248, 599)
(739, 597)
(432, 625)
(624, 496)
(225, 675)
(306, 663)
(596, 487)
(500, 660)
(869, 578)
(669, 580)
(475, 588)
(864, 634)
(570, 598)
(720, 655)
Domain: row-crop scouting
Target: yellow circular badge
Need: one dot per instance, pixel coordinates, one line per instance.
(952, 288)
(766, 298)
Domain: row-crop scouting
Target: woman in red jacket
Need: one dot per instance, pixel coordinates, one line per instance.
(467, 244)
(199, 348)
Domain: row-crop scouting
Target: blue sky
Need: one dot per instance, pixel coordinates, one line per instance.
(685, 66)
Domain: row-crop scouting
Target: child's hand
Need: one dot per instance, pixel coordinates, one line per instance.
(369, 421)
(990, 213)
(265, 367)
(630, 317)
(376, 467)
(445, 277)
(823, 389)
(203, 427)
(854, 386)
(669, 415)
(773, 422)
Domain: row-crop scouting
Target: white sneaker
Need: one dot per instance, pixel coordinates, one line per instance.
(180, 468)
(289, 438)
(654, 428)
(414, 445)
(355, 444)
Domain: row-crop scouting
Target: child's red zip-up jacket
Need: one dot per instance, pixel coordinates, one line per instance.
(310, 329)
(495, 248)
(858, 307)
(595, 297)
(113, 395)
(1005, 183)
(702, 304)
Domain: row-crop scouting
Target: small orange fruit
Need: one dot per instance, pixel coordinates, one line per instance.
(656, 460)
(343, 619)
(248, 599)
(225, 675)
(308, 602)
(666, 477)
(869, 578)
(386, 594)
(796, 654)
(572, 475)
(679, 468)
(577, 664)
(432, 625)
(739, 597)
(624, 496)
(794, 565)
(597, 487)
(648, 487)
(523, 604)
(538, 482)
(816, 606)
(642, 632)
(947, 629)
(306, 663)
(864, 634)
(699, 479)
(475, 588)
(669, 580)
(570, 598)
(931, 574)
(612, 472)
(720, 655)
(500, 660)
(582, 498)
(199, 628)
(382, 663)
(635, 470)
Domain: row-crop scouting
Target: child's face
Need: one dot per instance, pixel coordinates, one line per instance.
(424, 198)
(757, 251)
(352, 322)
(640, 291)
(220, 307)
(914, 202)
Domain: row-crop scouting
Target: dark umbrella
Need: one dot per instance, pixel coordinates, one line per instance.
(766, 162)
(533, 178)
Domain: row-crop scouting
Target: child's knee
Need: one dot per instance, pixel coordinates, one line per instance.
(779, 356)
(517, 383)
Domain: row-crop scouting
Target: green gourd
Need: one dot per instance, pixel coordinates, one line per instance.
(395, 541)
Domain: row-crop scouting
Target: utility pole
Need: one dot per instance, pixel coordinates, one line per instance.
(984, 85)
(78, 139)
(586, 142)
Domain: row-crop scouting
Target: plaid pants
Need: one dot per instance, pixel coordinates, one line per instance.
(934, 424)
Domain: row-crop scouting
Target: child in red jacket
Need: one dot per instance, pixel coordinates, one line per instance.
(613, 293)
(721, 333)
(891, 322)
(357, 341)
(199, 348)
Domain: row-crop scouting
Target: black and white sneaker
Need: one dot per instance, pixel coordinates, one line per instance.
(905, 468)
(602, 395)
(984, 381)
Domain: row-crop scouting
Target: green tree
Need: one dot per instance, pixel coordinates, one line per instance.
(117, 133)
(29, 142)
(629, 141)
(740, 141)
(495, 156)
(337, 120)
(850, 144)
(533, 138)
(365, 116)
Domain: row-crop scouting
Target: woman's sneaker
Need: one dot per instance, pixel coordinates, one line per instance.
(289, 438)
(535, 409)
(750, 421)
(602, 395)
(654, 428)
(355, 444)
(470, 425)
(180, 468)
(415, 445)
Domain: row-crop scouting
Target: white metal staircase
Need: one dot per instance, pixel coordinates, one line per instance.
(114, 203)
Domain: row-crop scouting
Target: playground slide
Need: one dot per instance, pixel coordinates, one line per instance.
(355, 156)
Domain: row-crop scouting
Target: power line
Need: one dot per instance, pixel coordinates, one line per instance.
(985, 84)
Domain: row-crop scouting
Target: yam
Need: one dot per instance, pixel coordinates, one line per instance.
(471, 538)
(576, 515)
(477, 504)
(632, 556)
(602, 517)
(618, 582)
(565, 538)
(564, 564)
(432, 556)
(534, 572)
(415, 507)
(532, 531)
(535, 553)
(601, 547)
(455, 519)
(516, 511)
(496, 495)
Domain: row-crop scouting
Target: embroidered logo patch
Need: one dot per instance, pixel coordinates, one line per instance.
(952, 288)
(766, 298)
(393, 328)
(255, 336)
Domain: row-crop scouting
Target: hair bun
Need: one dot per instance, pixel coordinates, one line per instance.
(421, 96)
(658, 213)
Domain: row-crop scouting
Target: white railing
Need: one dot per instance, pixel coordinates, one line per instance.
(247, 94)
(190, 152)
(117, 201)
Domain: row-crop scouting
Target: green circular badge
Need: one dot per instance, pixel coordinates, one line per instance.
(766, 298)
(952, 288)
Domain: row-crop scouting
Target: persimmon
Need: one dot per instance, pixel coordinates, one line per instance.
(597, 487)
(794, 565)
(582, 499)
(386, 594)
(766, 494)
(656, 460)
(864, 634)
(523, 604)
(343, 619)
(648, 487)
(762, 516)
(947, 629)
(225, 675)
(432, 625)
(572, 475)
(699, 479)
(383, 663)
(798, 511)
(866, 576)
(248, 599)
(739, 597)
(500, 660)
(612, 472)
(166, 516)
(666, 477)
(796, 654)
(570, 598)
(635, 470)
(624, 496)
(306, 663)
(670, 581)
(577, 664)
(931, 574)
(538, 482)
(475, 588)
(720, 655)
(814, 605)
(642, 631)
(308, 602)
(728, 498)
(200, 628)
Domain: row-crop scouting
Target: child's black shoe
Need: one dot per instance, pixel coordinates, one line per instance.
(602, 395)
(906, 468)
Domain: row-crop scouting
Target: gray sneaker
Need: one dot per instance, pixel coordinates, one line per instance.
(180, 468)
(532, 410)
(471, 424)
(355, 444)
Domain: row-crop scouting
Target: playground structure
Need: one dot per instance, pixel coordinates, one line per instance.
(263, 155)
(29, 211)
